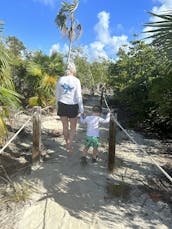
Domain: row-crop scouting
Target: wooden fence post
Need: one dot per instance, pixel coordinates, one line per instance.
(36, 148)
(101, 98)
(112, 143)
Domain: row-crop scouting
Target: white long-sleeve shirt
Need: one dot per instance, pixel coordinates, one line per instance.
(68, 91)
(93, 123)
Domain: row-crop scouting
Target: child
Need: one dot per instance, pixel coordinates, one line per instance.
(92, 136)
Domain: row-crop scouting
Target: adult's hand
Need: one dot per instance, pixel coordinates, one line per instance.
(83, 115)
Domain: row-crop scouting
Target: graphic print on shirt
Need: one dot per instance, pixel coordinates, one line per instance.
(67, 88)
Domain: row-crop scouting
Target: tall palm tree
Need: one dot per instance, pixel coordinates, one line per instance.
(161, 31)
(65, 20)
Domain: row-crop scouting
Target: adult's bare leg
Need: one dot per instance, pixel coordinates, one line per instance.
(72, 131)
(65, 123)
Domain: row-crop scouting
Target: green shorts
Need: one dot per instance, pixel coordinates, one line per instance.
(91, 141)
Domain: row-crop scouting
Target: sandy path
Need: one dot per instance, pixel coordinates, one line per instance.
(71, 196)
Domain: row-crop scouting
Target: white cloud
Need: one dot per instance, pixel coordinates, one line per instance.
(54, 48)
(97, 45)
(102, 27)
(106, 45)
(118, 41)
(96, 50)
(165, 6)
(57, 48)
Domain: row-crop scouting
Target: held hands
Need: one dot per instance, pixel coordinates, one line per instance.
(81, 115)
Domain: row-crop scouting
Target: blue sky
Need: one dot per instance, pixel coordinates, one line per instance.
(107, 24)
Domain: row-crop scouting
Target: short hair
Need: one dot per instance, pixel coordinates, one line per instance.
(97, 109)
(71, 68)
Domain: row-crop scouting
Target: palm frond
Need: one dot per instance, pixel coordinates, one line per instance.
(34, 69)
(1, 26)
(78, 31)
(4, 57)
(49, 81)
(161, 31)
(61, 20)
(9, 98)
(70, 7)
(3, 129)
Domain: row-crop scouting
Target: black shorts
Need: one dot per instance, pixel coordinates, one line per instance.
(70, 111)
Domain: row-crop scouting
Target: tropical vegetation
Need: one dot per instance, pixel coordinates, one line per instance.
(9, 98)
(140, 77)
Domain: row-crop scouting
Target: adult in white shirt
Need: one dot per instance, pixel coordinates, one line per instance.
(69, 103)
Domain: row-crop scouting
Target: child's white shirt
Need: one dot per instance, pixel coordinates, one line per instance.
(93, 123)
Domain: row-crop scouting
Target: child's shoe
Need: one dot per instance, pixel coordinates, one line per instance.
(94, 159)
(83, 160)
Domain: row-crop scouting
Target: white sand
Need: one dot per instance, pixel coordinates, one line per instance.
(72, 196)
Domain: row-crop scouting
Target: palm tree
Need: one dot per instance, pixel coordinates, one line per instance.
(66, 22)
(161, 31)
(8, 97)
(43, 72)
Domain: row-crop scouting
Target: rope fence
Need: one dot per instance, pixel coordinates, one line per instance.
(15, 135)
(35, 111)
(36, 117)
(132, 139)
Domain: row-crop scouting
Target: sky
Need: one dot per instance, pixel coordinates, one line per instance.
(106, 24)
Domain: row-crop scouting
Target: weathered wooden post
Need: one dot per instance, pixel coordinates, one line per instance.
(112, 143)
(101, 98)
(36, 148)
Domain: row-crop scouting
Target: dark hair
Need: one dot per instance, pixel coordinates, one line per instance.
(97, 109)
